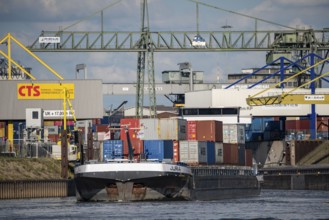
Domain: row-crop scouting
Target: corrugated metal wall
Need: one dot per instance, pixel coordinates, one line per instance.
(88, 101)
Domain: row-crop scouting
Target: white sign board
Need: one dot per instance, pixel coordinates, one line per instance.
(57, 114)
(49, 40)
(314, 98)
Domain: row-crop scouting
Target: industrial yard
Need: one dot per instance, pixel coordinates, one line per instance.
(270, 121)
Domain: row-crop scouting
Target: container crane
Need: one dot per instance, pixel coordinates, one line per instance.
(146, 42)
(288, 97)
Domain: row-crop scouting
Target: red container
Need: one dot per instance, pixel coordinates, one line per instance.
(209, 131)
(298, 125)
(102, 128)
(176, 151)
(191, 130)
(133, 128)
(230, 154)
(137, 146)
(248, 157)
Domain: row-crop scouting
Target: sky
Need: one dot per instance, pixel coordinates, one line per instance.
(26, 19)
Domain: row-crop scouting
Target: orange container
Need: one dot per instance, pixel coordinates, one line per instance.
(209, 131)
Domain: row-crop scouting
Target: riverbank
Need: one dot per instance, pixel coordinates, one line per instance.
(33, 178)
(30, 169)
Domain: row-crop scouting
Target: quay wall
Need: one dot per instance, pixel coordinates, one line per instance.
(296, 182)
(20, 189)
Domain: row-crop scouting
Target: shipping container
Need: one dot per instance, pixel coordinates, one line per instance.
(158, 149)
(234, 133)
(219, 153)
(230, 154)
(248, 160)
(102, 128)
(176, 151)
(133, 128)
(112, 149)
(172, 129)
(297, 125)
(193, 152)
(163, 129)
(137, 146)
(191, 130)
(209, 131)
(242, 154)
(258, 124)
(211, 160)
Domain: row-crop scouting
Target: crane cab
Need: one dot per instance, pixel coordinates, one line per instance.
(198, 41)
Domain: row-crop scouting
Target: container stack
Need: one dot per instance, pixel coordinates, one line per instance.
(204, 141)
(234, 150)
(207, 142)
(134, 129)
(161, 136)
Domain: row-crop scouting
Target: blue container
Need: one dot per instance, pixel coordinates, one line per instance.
(112, 149)
(242, 154)
(211, 153)
(158, 149)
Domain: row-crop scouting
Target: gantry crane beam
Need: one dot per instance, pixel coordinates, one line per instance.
(181, 41)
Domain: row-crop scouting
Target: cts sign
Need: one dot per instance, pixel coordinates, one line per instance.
(44, 91)
(28, 91)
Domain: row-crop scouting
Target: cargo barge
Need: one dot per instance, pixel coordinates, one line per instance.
(145, 181)
(119, 180)
(153, 177)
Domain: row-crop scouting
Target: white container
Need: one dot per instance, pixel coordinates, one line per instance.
(193, 152)
(163, 129)
(219, 153)
(234, 134)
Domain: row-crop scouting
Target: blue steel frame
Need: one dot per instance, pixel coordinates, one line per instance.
(312, 57)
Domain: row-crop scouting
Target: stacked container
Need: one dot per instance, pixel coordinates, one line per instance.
(161, 137)
(112, 149)
(204, 143)
(193, 152)
(209, 131)
(163, 129)
(191, 130)
(234, 144)
(133, 125)
(158, 149)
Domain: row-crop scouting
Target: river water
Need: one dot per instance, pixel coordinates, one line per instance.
(271, 204)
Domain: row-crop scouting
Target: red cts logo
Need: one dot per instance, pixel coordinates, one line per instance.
(29, 91)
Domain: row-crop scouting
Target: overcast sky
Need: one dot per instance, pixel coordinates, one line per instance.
(26, 19)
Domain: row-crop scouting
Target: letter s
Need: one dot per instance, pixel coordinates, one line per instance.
(36, 91)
